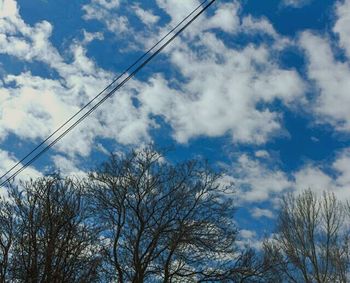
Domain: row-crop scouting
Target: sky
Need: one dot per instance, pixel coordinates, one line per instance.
(260, 89)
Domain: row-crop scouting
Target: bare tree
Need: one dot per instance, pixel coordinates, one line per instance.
(135, 219)
(53, 239)
(162, 222)
(6, 237)
(311, 239)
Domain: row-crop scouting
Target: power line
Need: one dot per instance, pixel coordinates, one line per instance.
(132, 74)
(99, 94)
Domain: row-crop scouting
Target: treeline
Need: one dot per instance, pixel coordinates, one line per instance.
(138, 218)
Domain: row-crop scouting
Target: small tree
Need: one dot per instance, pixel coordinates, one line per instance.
(163, 222)
(311, 239)
(52, 238)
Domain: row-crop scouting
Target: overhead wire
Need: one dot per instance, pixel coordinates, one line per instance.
(132, 74)
(100, 93)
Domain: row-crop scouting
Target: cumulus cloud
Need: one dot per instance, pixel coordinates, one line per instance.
(28, 108)
(331, 78)
(262, 154)
(222, 92)
(106, 12)
(146, 16)
(257, 212)
(108, 4)
(342, 25)
(295, 3)
(226, 17)
(224, 85)
(33, 106)
(249, 238)
(8, 161)
(67, 166)
(256, 181)
(91, 36)
(318, 179)
(7, 8)
(328, 73)
(177, 9)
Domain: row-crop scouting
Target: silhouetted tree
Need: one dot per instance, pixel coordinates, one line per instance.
(137, 218)
(311, 241)
(6, 236)
(52, 237)
(163, 222)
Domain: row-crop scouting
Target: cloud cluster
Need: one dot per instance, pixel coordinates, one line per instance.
(318, 179)
(33, 106)
(342, 25)
(256, 181)
(329, 74)
(8, 161)
(222, 86)
(107, 12)
(220, 95)
(219, 88)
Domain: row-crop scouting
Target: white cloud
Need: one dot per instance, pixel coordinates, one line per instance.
(29, 108)
(223, 90)
(319, 180)
(8, 8)
(342, 166)
(262, 154)
(106, 12)
(177, 9)
(108, 4)
(247, 234)
(295, 3)
(223, 100)
(67, 166)
(146, 16)
(8, 161)
(256, 181)
(260, 212)
(225, 18)
(342, 25)
(331, 78)
(248, 238)
(34, 106)
(258, 25)
(91, 36)
(220, 95)
(224, 85)
(312, 177)
(329, 74)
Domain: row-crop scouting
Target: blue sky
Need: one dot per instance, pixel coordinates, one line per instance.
(259, 88)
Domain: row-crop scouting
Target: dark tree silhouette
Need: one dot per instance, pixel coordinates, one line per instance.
(48, 237)
(137, 218)
(6, 236)
(163, 222)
